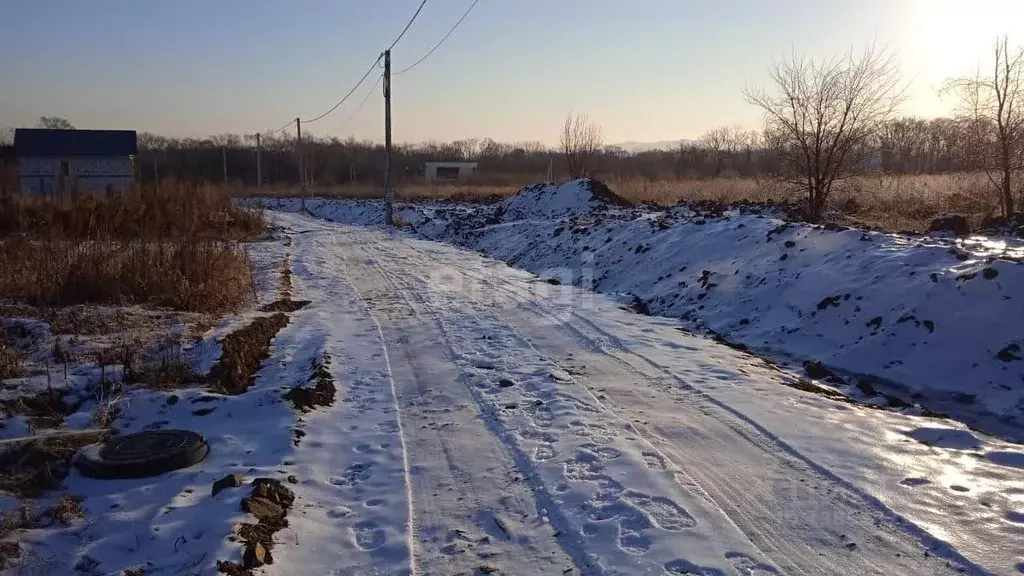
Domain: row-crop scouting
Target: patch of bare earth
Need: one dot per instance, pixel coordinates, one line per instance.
(322, 391)
(285, 305)
(243, 351)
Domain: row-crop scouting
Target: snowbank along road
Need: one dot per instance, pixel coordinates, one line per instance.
(491, 422)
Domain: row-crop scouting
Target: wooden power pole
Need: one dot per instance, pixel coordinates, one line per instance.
(224, 162)
(298, 153)
(389, 184)
(259, 166)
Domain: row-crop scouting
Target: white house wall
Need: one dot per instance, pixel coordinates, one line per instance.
(42, 174)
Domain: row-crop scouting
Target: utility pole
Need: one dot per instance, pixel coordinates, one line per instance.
(389, 185)
(156, 168)
(259, 166)
(224, 162)
(298, 156)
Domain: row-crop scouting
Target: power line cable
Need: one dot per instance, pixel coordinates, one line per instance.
(275, 131)
(350, 92)
(365, 98)
(363, 79)
(406, 29)
(438, 45)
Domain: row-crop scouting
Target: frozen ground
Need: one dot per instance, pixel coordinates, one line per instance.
(489, 421)
(546, 430)
(932, 321)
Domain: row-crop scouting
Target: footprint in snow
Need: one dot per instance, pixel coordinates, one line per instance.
(389, 426)
(368, 536)
(663, 512)
(654, 461)
(747, 566)
(687, 568)
(353, 475)
(915, 481)
(631, 525)
(1008, 459)
(1015, 517)
(366, 448)
(605, 452)
(544, 452)
(635, 543)
(339, 512)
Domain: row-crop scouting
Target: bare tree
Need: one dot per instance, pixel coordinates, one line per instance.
(726, 142)
(581, 143)
(993, 112)
(6, 136)
(825, 113)
(55, 123)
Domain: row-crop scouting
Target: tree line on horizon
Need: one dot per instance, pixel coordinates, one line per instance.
(907, 145)
(825, 120)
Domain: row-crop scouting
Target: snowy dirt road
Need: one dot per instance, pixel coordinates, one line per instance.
(491, 422)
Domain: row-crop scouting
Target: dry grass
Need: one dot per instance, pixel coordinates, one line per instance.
(167, 212)
(407, 193)
(10, 359)
(30, 470)
(172, 246)
(889, 201)
(190, 275)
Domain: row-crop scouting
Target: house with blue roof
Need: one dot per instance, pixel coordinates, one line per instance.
(64, 161)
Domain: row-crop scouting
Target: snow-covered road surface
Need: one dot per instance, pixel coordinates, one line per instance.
(490, 422)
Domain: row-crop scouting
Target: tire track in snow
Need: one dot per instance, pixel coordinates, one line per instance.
(635, 512)
(742, 426)
(352, 460)
(410, 526)
(529, 558)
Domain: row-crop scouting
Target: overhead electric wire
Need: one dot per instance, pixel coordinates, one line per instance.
(438, 45)
(275, 131)
(350, 92)
(406, 29)
(365, 98)
(368, 71)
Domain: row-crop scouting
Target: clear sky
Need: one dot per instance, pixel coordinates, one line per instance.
(645, 70)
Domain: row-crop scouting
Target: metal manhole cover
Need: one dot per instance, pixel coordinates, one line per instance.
(142, 454)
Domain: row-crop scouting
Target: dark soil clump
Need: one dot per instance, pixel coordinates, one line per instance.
(243, 351)
(285, 305)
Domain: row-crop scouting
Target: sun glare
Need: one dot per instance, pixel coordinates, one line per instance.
(953, 37)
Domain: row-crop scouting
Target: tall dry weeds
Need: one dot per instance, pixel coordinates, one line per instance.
(167, 212)
(173, 246)
(197, 276)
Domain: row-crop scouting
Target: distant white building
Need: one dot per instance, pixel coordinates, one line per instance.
(60, 161)
(447, 171)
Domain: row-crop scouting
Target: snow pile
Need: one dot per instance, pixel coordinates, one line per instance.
(931, 320)
(550, 201)
(904, 316)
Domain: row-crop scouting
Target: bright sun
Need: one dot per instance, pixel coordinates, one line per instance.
(953, 37)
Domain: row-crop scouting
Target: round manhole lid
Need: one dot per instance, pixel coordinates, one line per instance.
(143, 454)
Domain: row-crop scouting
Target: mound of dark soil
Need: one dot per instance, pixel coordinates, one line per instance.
(602, 193)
